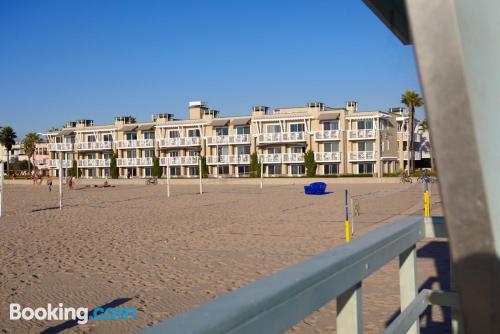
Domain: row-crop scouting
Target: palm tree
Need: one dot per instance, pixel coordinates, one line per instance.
(8, 139)
(412, 100)
(29, 145)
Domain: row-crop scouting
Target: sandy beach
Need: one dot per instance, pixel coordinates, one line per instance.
(130, 245)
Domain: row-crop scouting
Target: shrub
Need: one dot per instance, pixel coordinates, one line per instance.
(310, 163)
(156, 170)
(254, 165)
(204, 167)
(113, 169)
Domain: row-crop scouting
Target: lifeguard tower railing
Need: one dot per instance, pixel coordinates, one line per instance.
(277, 302)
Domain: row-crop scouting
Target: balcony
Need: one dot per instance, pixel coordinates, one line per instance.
(327, 135)
(417, 155)
(362, 156)
(134, 162)
(271, 158)
(242, 159)
(281, 137)
(327, 156)
(228, 140)
(94, 146)
(139, 143)
(91, 163)
(54, 163)
(293, 157)
(179, 142)
(187, 160)
(60, 147)
(361, 134)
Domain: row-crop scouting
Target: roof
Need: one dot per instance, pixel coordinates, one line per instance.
(66, 132)
(220, 122)
(299, 115)
(323, 116)
(146, 127)
(241, 121)
(393, 14)
(128, 127)
(180, 122)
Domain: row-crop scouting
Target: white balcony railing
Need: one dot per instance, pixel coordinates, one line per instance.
(363, 156)
(417, 155)
(60, 147)
(228, 140)
(271, 158)
(327, 156)
(186, 160)
(91, 163)
(362, 134)
(139, 143)
(94, 146)
(179, 141)
(241, 159)
(327, 135)
(134, 162)
(293, 157)
(281, 137)
(54, 163)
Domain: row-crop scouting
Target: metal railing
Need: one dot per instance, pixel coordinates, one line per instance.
(241, 159)
(134, 162)
(54, 163)
(139, 143)
(327, 135)
(363, 156)
(361, 134)
(228, 140)
(293, 157)
(271, 158)
(327, 156)
(179, 161)
(281, 137)
(94, 146)
(179, 141)
(60, 146)
(277, 302)
(90, 163)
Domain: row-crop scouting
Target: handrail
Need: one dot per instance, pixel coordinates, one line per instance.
(275, 303)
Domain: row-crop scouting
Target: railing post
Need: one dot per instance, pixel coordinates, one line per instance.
(457, 326)
(349, 314)
(408, 288)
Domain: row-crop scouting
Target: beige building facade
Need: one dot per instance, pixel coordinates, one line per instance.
(344, 141)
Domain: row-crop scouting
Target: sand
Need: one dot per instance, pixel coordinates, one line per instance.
(132, 246)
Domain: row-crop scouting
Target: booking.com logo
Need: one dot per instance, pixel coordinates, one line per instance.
(80, 314)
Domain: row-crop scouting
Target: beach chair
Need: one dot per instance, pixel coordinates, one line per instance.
(315, 188)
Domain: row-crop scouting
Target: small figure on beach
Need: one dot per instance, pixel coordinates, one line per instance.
(35, 177)
(69, 182)
(49, 183)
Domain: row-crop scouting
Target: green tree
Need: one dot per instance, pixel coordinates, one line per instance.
(74, 169)
(8, 139)
(412, 100)
(254, 165)
(112, 167)
(204, 167)
(156, 170)
(310, 163)
(29, 145)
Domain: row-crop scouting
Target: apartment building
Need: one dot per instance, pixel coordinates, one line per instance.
(344, 141)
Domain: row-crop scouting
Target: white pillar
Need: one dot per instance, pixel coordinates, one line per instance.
(200, 175)
(349, 313)
(60, 182)
(261, 175)
(408, 285)
(168, 176)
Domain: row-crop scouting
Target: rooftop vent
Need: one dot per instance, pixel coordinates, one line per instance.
(319, 105)
(85, 122)
(214, 113)
(197, 104)
(352, 105)
(261, 109)
(70, 124)
(397, 110)
(167, 116)
(125, 119)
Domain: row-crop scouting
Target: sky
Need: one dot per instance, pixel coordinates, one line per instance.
(95, 59)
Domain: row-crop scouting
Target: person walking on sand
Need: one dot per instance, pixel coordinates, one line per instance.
(69, 182)
(49, 183)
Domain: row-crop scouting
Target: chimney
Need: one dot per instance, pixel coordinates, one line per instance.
(352, 106)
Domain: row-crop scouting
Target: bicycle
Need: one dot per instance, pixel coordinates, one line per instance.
(405, 179)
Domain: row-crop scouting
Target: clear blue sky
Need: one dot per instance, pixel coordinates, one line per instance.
(65, 60)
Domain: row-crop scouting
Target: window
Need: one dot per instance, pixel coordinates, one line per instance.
(175, 171)
(365, 124)
(193, 133)
(174, 134)
(298, 170)
(298, 127)
(331, 125)
(365, 146)
(273, 128)
(274, 150)
(174, 153)
(243, 170)
(70, 139)
(365, 168)
(131, 136)
(107, 172)
(149, 153)
(91, 156)
(91, 138)
(297, 149)
(223, 169)
(131, 154)
(222, 131)
(243, 130)
(107, 137)
(331, 147)
(193, 171)
(92, 172)
(331, 169)
(58, 140)
(274, 170)
(242, 150)
(193, 153)
(223, 150)
(149, 135)
(107, 155)
(148, 172)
